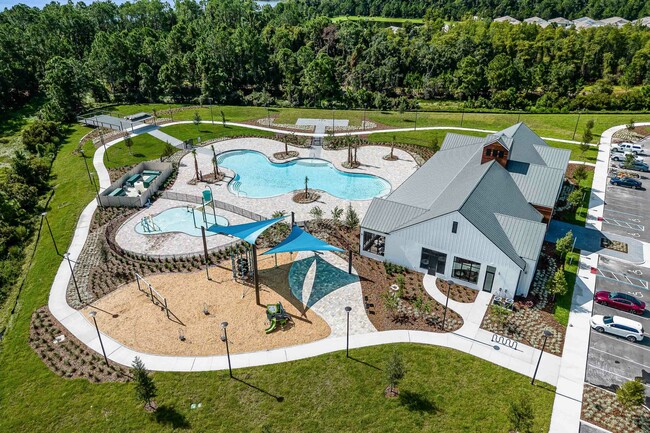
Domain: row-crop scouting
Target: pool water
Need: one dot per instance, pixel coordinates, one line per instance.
(180, 220)
(257, 177)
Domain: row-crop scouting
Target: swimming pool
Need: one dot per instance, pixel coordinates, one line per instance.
(180, 220)
(257, 177)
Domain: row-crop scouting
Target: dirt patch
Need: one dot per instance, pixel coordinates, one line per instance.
(306, 197)
(144, 326)
(602, 408)
(65, 355)
(281, 156)
(410, 308)
(457, 292)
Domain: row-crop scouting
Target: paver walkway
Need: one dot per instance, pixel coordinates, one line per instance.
(162, 136)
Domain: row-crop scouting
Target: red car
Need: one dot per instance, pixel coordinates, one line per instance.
(621, 301)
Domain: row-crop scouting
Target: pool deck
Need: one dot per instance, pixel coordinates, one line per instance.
(371, 158)
(169, 244)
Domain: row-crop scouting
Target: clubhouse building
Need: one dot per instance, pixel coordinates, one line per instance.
(475, 213)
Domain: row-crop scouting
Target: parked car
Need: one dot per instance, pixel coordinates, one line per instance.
(622, 301)
(634, 148)
(626, 181)
(636, 165)
(619, 326)
(623, 156)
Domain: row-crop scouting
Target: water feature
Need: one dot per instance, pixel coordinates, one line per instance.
(186, 220)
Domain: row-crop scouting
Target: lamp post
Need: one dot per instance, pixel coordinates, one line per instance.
(83, 155)
(444, 316)
(347, 334)
(99, 335)
(205, 251)
(211, 116)
(546, 334)
(74, 280)
(224, 338)
(44, 215)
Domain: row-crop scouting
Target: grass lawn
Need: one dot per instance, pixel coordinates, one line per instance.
(563, 303)
(145, 148)
(207, 131)
(579, 217)
(590, 155)
(444, 390)
(418, 138)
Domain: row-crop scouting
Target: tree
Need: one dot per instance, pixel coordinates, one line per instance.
(155, 116)
(196, 165)
(521, 416)
(630, 126)
(197, 120)
(145, 388)
(629, 161)
(337, 212)
(394, 371)
(575, 197)
(392, 147)
(316, 213)
(587, 135)
(564, 245)
(128, 142)
(580, 174)
(306, 187)
(286, 145)
(65, 83)
(631, 394)
(223, 118)
(351, 218)
(558, 284)
(215, 163)
(168, 151)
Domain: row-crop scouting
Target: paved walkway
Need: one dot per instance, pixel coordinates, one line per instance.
(162, 136)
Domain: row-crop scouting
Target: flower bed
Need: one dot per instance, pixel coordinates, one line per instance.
(457, 292)
(601, 407)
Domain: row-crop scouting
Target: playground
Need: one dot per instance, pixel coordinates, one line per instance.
(197, 306)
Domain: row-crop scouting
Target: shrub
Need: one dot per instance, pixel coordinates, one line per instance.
(631, 394)
(521, 416)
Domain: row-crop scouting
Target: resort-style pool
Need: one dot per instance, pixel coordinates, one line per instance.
(180, 220)
(257, 177)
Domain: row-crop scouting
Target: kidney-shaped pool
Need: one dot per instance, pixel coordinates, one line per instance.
(257, 177)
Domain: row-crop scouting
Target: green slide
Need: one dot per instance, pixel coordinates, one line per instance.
(271, 326)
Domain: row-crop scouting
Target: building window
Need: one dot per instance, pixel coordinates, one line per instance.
(454, 227)
(488, 152)
(374, 243)
(466, 270)
(433, 261)
(501, 154)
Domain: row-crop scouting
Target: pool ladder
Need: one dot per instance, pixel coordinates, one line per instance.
(148, 224)
(236, 188)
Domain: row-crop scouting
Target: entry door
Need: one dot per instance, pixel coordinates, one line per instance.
(489, 278)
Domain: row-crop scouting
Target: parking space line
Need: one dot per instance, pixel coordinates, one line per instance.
(615, 374)
(622, 278)
(625, 213)
(622, 340)
(623, 224)
(620, 357)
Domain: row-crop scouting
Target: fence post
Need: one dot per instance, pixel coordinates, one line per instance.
(151, 294)
(166, 309)
(137, 280)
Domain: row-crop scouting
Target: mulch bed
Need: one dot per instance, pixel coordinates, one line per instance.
(210, 178)
(571, 168)
(602, 408)
(352, 165)
(281, 156)
(375, 284)
(69, 358)
(457, 292)
(534, 313)
(613, 245)
(306, 198)
(390, 158)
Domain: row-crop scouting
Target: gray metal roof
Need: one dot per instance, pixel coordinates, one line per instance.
(385, 215)
(554, 157)
(453, 140)
(525, 236)
(539, 184)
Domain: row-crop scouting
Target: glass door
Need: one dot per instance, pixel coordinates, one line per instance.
(489, 278)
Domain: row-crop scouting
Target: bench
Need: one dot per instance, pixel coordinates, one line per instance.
(117, 192)
(150, 172)
(147, 180)
(133, 179)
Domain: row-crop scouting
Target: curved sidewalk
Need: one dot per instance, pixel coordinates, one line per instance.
(477, 343)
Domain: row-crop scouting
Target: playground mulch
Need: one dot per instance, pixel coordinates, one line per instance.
(128, 315)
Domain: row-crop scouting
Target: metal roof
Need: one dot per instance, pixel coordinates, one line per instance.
(385, 215)
(453, 140)
(553, 156)
(538, 183)
(525, 236)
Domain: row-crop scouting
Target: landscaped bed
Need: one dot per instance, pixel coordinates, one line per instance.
(410, 307)
(144, 326)
(456, 292)
(602, 408)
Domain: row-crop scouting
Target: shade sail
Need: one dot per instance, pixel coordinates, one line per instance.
(300, 240)
(247, 232)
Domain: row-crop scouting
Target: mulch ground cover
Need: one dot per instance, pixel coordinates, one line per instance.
(602, 408)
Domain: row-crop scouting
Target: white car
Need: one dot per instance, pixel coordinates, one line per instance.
(620, 326)
(623, 147)
(617, 156)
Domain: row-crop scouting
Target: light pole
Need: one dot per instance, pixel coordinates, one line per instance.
(99, 335)
(83, 155)
(546, 334)
(74, 280)
(363, 124)
(44, 215)
(347, 334)
(444, 316)
(211, 116)
(224, 338)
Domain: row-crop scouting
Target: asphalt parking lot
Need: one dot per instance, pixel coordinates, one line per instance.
(613, 360)
(625, 210)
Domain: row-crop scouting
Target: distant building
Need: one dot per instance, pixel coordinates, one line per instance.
(561, 22)
(507, 19)
(586, 23)
(645, 21)
(614, 21)
(537, 21)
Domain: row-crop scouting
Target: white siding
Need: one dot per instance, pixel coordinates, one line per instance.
(404, 247)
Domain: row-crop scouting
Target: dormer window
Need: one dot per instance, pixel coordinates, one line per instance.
(488, 152)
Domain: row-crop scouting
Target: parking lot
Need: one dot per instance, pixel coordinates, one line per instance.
(625, 210)
(613, 360)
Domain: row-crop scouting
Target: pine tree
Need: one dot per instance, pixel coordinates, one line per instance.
(394, 371)
(351, 218)
(631, 394)
(521, 416)
(145, 388)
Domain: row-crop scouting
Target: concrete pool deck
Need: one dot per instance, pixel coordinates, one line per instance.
(371, 158)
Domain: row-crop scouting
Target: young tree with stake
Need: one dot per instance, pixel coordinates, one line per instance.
(145, 388)
(395, 372)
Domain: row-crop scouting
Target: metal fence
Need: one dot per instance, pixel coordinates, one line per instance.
(165, 169)
(178, 196)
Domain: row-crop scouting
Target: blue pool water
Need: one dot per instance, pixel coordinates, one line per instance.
(178, 219)
(257, 177)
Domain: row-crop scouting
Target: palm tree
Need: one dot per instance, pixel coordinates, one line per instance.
(306, 188)
(349, 140)
(392, 146)
(214, 162)
(196, 165)
(286, 146)
(155, 117)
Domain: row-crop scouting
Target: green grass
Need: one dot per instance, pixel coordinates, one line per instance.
(563, 303)
(579, 216)
(590, 155)
(208, 132)
(418, 138)
(145, 148)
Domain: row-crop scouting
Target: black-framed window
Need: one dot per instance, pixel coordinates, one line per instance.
(374, 243)
(454, 227)
(466, 270)
(488, 152)
(433, 261)
(501, 154)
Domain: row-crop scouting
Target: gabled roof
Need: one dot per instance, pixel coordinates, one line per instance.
(538, 183)
(645, 21)
(508, 19)
(617, 21)
(537, 20)
(525, 236)
(385, 215)
(561, 21)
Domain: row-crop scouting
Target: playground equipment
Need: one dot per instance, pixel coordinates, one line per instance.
(242, 271)
(276, 315)
(149, 225)
(156, 298)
